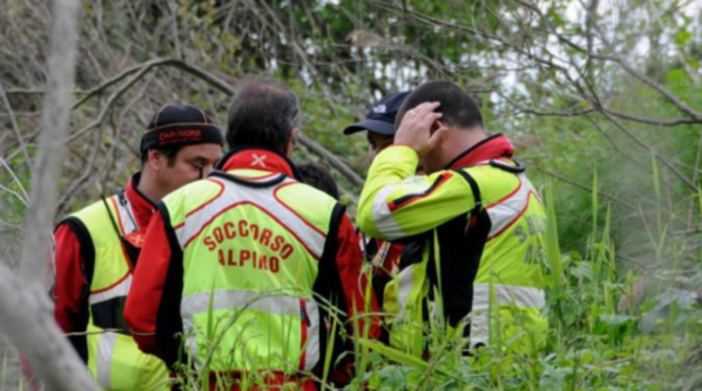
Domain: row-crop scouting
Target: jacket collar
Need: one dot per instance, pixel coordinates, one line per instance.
(493, 147)
(142, 206)
(258, 158)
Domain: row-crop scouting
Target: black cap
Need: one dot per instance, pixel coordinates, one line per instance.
(180, 125)
(381, 118)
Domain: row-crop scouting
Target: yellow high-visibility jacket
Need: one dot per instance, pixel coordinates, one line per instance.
(480, 226)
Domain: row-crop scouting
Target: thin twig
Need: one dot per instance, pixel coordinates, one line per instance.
(686, 181)
(14, 193)
(213, 80)
(586, 188)
(15, 127)
(17, 181)
(108, 105)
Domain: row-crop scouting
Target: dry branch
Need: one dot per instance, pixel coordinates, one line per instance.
(28, 322)
(15, 127)
(24, 305)
(142, 69)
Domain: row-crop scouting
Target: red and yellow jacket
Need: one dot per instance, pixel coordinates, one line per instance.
(252, 245)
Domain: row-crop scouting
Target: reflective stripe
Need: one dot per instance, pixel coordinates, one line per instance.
(479, 327)
(119, 290)
(312, 346)
(507, 211)
(271, 303)
(265, 199)
(520, 296)
(106, 349)
(405, 284)
(126, 215)
(383, 218)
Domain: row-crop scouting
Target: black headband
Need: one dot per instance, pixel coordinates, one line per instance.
(181, 134)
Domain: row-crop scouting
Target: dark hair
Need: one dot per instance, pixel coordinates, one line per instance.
(318, 177)
(169, 152)
(262, 114)
(458, 107)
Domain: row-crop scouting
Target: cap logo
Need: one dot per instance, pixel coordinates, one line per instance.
(179, 135)
(380, 109)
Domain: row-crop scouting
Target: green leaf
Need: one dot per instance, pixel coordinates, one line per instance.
(682, 37)
(399, 356)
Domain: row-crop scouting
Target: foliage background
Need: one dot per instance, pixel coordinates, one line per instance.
(602, 99)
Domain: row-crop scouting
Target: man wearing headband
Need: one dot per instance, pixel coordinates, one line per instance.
(252, 266)
(98, 246)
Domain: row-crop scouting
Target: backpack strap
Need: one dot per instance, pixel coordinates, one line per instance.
(475, 212)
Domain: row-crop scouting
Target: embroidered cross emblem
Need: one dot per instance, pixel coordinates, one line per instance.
(258, 160)
(138, 240)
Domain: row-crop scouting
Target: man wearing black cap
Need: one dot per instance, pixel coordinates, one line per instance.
(380, 127)
(379, 123)
(98, 246)
(249, 264)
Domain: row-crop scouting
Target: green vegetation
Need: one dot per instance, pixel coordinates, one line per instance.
(603, 102)
(610, 329)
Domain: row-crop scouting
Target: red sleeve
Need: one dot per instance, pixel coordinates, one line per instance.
(392, 260)
(69, 291)
(349, 260)
(353, 287)
(146, 294)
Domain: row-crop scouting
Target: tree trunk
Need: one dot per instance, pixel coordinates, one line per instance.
(27, 320)
(25, 309)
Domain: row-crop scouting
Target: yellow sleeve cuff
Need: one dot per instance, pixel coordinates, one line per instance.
(401, 160)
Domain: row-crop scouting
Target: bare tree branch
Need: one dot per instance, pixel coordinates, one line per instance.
(15, 127)
(145, 67)
(651, 121)
(695, 115)
(24, 196)
(24, 305)
(587, 188)
(686, 181)
(216, 82)
(55, 118)
(28, 322)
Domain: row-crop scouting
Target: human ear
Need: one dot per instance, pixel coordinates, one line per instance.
(290, 145)
(438, 124)
(155, 160)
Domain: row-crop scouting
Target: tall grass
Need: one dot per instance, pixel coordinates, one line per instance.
(601, 335)
(610, 328)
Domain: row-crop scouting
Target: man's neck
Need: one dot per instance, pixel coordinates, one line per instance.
(148, 187)
(458, 141)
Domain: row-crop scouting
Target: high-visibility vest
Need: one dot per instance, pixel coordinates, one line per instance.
(114, 358)
(508, 297)
(250, 250)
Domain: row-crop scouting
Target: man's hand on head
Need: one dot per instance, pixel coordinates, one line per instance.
(415, 130)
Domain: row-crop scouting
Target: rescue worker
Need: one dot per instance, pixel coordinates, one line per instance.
(250, 265)
(379, 126)
(480, 218)
(97, 249)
